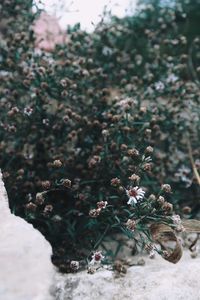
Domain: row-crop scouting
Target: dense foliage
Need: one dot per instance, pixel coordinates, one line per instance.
(88, 128)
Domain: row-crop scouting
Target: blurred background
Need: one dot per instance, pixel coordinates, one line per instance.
(88, 12)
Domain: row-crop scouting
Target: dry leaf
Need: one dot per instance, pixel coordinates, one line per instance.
(191, 225)
(165, 236)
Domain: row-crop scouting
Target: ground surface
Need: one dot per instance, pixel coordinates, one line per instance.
(157, 280)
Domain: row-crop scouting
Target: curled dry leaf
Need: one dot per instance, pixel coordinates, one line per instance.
(165, 236)
(191, 225)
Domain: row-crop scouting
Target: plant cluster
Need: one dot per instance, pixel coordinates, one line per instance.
(95, 133)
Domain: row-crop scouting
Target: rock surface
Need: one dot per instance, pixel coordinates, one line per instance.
(26, 271)
(157, 280)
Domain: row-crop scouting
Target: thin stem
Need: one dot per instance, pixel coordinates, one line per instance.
(102, 237)
(191, 65)
(196, 173)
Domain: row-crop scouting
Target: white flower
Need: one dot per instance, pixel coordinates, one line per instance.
(128, 101)
(177, 222)
(152, 253)
(183, 175)
(176, 219)
(97, 257)
(28, 111)
(171, 78)
(134, 194)
(102, 204)
(45, 122)
(159, 86)
(107, 51)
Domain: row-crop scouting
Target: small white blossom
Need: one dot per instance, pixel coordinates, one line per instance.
(159, 86)
(128, 101)
(182, 174)
(28, 111)
(102, 204)
(177, 222)
(171, 78)
(107, 51)
(45, 122)
(105, 134)
(197, 163)
(97, 257)
(176, 219)
(152, 253)
(134, 194)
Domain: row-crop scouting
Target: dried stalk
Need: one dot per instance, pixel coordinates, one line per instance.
(195, 171)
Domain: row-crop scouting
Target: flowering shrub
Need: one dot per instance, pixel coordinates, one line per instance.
(95, 133)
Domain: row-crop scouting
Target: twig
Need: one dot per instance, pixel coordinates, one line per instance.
(196, 173)
(191, 248)
(191, 66)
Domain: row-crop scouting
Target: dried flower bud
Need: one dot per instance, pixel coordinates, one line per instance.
(147, 167)
(152, 197)
(120, 189)
(113, 146)
(102, 204)
(149, 150)
(5, 175)
(44, 85)
(20, 172)
(186, 210)
(74, 265)
(116, 118)
(167, 207)
(57, 218)
(176, 219)
(48, 209)
(133, 152)
(165, 254)
(161, 200)
(46, 184)
(135, 178)
(39, 199)
(143, 109)
(105, 133)
(57, 163)
(115, 182)
(94, 161)
(66, 183)
(148, 132)
(123, 147)
(130, 224)
(166, 188)
(93, 213)
(91, 270)
(119, 267)
(31, 207)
